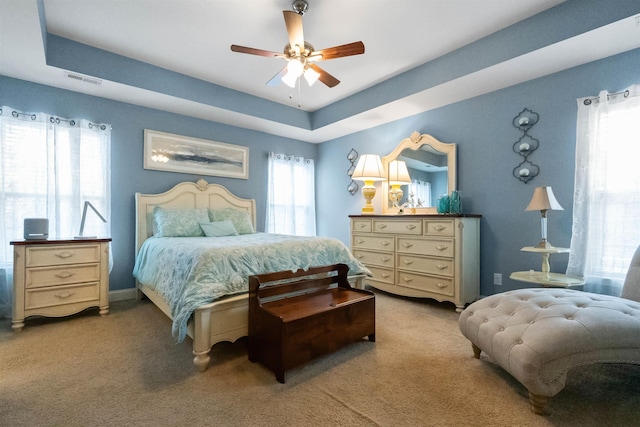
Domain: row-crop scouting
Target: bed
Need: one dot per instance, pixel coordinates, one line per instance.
(224, 317)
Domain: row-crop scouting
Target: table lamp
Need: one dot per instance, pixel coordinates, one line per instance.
(543, 200)
(398, 176)
(369, 169)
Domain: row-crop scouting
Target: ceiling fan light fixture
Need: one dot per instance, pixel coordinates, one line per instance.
(290, 79)
(295, 68)
(311, 76)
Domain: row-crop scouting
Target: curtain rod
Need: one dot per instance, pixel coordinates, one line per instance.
(588, 101)
(55, 120)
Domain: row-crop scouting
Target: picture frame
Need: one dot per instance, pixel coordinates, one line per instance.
(176, 153)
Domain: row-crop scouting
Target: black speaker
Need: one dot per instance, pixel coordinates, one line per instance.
(36, 228)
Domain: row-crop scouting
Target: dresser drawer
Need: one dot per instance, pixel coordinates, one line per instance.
(438, 285)
(434, 247)
(53, 276)
(362, 225)
(440, 228)
(39, 256)
(61, 295)
(381, 259)
(404, 226)
(441, 266)
(368, 241)
(381, 275)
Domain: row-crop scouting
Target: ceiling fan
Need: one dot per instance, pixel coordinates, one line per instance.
(300, 55)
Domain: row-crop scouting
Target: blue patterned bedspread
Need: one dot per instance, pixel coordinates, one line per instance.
(191, 271)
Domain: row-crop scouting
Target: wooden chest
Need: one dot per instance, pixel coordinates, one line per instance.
(296, 317)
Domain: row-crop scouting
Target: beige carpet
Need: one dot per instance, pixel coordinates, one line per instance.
(126, 369)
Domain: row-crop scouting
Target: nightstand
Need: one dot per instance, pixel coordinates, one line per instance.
(545, 278)
(57, 277)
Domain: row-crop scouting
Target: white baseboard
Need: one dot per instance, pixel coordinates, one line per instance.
(122, 294)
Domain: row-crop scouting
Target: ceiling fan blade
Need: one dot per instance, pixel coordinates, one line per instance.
(355, 48)
(253, 51)
(293, 21)
(325, 77)
(277, 79)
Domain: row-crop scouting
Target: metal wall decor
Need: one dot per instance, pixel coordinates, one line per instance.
(526, 145)
(353, 186)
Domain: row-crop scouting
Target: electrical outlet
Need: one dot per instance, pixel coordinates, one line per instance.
(497, 279)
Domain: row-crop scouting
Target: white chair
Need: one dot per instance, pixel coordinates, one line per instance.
(538, 335)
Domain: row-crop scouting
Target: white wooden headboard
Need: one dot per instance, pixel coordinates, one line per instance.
(186, 195)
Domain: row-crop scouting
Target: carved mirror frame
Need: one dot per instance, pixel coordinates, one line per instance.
(415, 142)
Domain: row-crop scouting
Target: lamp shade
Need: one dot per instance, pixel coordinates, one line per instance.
(398, 173)
(543, 200)
(369, 168)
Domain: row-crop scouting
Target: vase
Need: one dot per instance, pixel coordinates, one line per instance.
(443, 204)
(455, 203)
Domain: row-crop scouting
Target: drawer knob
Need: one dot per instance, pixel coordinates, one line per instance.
(63, 295)
(441, 285)
(64, 274)
(439, 227)
(385, 259)
(383, 226)
(64, 254)
(362, 225)
(407, 262)
(360, 241)
(385, 243)
(360, 256)
(441, 247)
(441, 267)
(407, 245)
(411, 226)
(385, 275)
(407, 279)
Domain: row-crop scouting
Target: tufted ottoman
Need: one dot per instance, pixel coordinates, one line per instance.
(538, 335)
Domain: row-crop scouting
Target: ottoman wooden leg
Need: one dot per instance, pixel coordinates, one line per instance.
(538, 403)
(476, 351)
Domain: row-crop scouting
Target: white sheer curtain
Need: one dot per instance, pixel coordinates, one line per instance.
(291, 206)
(49, 167)
(606, 207)
(421, 191)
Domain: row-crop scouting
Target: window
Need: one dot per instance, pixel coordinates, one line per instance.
(421, 192)
(606, 230)
(49, 167)
(291, 207)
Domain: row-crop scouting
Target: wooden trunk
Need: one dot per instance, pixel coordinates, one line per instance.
(296, 317)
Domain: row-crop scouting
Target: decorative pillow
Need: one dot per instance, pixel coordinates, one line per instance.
(179, 222)
(219, 228)
(241, 220)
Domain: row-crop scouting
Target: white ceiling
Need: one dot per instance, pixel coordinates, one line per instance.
(193, 37)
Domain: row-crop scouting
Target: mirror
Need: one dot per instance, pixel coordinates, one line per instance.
(432, 167)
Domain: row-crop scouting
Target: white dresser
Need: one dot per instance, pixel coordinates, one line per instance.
(59, 277)
(426, 256)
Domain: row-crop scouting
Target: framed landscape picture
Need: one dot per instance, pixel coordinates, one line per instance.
(176, 153)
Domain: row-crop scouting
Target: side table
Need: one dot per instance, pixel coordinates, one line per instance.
(59, 277)
(545, 277)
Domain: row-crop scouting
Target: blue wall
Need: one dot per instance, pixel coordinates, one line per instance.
(482, 129)
(128, 176)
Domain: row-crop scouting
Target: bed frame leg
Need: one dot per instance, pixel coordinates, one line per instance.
(201, 360)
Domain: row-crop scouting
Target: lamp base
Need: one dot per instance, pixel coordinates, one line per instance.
(369, 192)
(544, 245)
